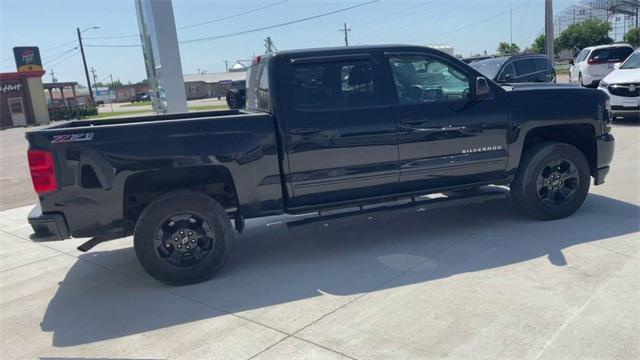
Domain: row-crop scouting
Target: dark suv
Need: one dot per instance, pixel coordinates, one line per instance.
(516, 68)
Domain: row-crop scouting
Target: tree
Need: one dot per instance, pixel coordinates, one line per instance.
(590, 32)
(538, 46)
(506, 48)
(633, 37)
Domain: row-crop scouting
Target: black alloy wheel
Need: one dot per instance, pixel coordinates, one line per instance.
(557, 182)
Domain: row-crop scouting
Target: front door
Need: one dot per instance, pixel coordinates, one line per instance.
(445, 137)
(16, 107)
(340, 130)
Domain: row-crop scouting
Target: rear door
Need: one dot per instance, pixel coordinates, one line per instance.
(445, 139)
(339, 129)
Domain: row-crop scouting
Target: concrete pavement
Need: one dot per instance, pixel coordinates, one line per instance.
(481, 281)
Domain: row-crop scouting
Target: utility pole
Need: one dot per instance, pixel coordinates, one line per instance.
(510, 26)
(346, 34)
(226, 65)
(95, 78)
(84, 61)
(548, 29)
(53, 79)
(268, 43)
(109, 90)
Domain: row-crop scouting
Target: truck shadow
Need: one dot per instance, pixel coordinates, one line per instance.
(274, 274)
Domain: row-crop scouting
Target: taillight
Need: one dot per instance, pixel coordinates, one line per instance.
(596, 61)
(43, 173)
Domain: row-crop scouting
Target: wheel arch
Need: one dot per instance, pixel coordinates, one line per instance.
(580, 135)
(143, 187)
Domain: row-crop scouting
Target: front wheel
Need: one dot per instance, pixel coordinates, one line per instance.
(552, 181)
(183, 237)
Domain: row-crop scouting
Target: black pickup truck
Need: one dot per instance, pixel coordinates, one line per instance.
(323, 129)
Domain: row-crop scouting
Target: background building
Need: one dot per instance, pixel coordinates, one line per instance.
(22, 99)
(199, 86)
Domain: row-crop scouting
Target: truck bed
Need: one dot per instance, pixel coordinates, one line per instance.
(146, 118)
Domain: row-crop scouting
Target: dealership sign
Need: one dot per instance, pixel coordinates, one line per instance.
(5, 88)
(27, 58)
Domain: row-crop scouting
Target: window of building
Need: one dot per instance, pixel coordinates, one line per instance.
(335, 85)
(15, 105)
(421, 79)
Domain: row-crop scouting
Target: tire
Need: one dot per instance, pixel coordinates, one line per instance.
(183, 237)
(233, 100)
(542, 194)
(580, 80)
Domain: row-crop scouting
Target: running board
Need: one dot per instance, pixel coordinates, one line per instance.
(410, 205)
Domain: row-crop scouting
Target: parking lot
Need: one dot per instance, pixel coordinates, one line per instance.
(480, 281)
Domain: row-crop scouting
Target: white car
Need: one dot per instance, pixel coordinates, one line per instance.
(623, 87)
(595, 62)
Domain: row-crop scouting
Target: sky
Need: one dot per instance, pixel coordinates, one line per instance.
(470, 26)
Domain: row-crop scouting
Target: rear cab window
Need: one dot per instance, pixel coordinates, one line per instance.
(258, 94)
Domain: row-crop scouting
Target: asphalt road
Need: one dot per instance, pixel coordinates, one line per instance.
(475, 282)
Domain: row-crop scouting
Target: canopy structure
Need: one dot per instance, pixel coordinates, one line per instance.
(622, 14)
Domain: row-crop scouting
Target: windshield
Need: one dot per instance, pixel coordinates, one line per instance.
(633, 62)
(489, 67)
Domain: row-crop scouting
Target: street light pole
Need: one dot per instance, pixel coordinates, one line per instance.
(84, 60)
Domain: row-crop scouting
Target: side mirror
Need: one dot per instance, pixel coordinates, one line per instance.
(571, 62)
(482, 88)
(616, 66)
(508, 76)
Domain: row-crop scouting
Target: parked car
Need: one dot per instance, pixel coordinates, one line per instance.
(359, 129)
(595, 62)
(141, 97)
(623, 87)
(516, 68)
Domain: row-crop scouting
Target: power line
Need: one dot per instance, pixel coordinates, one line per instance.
(61, 54)
(269, 27)
(197, 24)
(113, 46)
(470, 25)
(45, 50)
(233, 16)
(64, 60)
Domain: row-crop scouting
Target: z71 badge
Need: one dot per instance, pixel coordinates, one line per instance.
(71, 138)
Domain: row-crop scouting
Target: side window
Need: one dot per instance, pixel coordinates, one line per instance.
(335, 85)
(524, 67)
(582, 55)
(540, 64)
(423, 80)
(508, 72)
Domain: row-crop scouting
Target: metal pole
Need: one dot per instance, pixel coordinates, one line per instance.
(548, 29)
(510, 27)
(84, 61)
(109, 90)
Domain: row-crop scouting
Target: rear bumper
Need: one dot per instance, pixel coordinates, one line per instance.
(48, 227)
(606, 144)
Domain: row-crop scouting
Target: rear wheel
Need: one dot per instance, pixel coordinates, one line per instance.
(183, 237)
(580, 80)
(552, 181)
